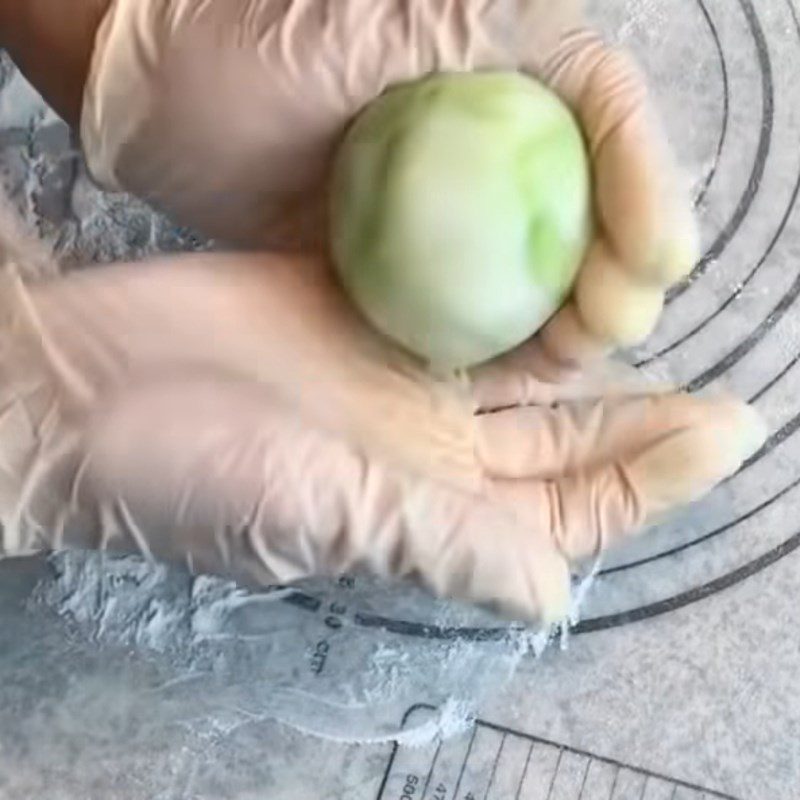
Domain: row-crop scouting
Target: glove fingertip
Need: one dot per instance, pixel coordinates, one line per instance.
(614, 307)
(553, 589)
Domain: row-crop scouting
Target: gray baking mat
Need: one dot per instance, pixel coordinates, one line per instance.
(679, 682)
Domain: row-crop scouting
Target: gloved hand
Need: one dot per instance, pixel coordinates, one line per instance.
(226, 114)
(175, 85)
(134, 415)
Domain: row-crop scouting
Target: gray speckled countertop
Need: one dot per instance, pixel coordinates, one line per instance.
(680, 683)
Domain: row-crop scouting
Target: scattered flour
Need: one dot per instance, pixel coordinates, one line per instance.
(260, 658)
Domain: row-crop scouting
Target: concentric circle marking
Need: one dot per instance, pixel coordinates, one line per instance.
(730, 230)
(723, 133)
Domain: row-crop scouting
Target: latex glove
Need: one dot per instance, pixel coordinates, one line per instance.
(131, 417)
(210, 109)
(227, 115)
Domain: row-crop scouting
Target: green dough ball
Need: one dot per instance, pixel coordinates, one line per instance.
(461, 212)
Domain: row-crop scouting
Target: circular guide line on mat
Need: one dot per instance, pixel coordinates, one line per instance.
(753, 184)
(726, 104)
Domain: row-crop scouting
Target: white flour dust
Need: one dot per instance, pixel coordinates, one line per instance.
(261, 656)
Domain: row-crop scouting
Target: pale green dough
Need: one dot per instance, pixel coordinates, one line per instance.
(461, 213)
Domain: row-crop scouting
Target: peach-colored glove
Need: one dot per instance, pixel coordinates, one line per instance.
(226, 113)
(211, 108)
(153, 407)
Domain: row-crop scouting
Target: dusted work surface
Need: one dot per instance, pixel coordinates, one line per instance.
(680, 681)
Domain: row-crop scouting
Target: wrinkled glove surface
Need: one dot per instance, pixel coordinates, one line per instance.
(134, 416)
(227, 114)
(233, 412)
